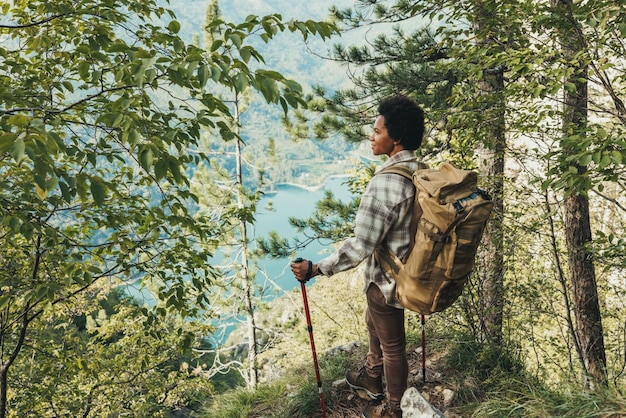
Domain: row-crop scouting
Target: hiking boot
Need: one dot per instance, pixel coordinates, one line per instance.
(381, 411)
(360, 380)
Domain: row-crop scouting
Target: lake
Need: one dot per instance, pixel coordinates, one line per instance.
(291, 201)
(275, 276)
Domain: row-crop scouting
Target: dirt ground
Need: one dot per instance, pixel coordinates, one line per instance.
(350, 402)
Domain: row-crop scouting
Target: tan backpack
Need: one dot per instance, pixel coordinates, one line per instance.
(449, 216)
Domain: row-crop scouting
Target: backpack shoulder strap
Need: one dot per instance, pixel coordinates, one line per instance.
(403, 170)
(383, 251)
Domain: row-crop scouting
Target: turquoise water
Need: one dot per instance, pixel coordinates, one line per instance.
(298, 202)
(275, 277)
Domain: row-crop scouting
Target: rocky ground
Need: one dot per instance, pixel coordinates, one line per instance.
(349, 403)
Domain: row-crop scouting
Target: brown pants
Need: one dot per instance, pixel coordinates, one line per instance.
(387, 350)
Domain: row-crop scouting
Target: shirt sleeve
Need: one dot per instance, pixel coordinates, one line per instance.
(373, 220)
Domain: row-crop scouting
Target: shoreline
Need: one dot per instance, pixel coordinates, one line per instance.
(314, 188)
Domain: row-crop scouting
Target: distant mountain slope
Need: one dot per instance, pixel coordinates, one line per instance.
(288, 54)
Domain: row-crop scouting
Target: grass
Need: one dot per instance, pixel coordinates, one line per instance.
(487, 381)
(523, 399)
(295, 395)
(502, 388)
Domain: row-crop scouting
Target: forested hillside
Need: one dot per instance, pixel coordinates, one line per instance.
(268, 142)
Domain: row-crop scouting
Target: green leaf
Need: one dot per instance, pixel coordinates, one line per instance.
(203, 74)
(191, 68)
(570, 87)
(240, 82)
(117, 120)
(66, 192)
(118, 46)
(216, 45)
(83, 70)
(146, 158)
(235, 39)
(133, 137)
(617, 157)
(174, 26)
(19, 120)
(51, 183)
(293, 85)
(150, 75)
(596, 157)
(4, 301)
(605, 160)
(17, 150)
(584, 159)
(27, 230)
(81, 185)
(98, 190)
(160, 169)
(41, 292)
(216, 73)
(270, 90)
(6, 141)
(174, 168)
(245, 54)
(14, 223)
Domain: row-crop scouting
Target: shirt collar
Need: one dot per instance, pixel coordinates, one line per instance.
(398, 157)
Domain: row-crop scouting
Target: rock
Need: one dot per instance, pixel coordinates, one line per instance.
(343, 349)
(415, 406)
(448, 397)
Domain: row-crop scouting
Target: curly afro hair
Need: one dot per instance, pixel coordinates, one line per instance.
(404, 120)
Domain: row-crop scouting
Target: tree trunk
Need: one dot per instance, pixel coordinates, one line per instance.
(491, 269)
(213, 13)
(589, 333)
(491, 165)
(4, 386)
(585, 291)
(248, 281)
(8, 361)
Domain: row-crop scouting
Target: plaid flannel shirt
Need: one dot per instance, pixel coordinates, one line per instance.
(383, 215)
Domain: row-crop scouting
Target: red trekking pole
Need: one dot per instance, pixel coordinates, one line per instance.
(423, 348)
(310, 328)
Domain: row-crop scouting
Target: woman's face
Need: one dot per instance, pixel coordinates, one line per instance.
(381, 142)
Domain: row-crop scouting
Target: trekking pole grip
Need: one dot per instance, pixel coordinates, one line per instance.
(309, 272)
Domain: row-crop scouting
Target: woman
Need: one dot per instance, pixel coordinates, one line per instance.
(384, 215)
